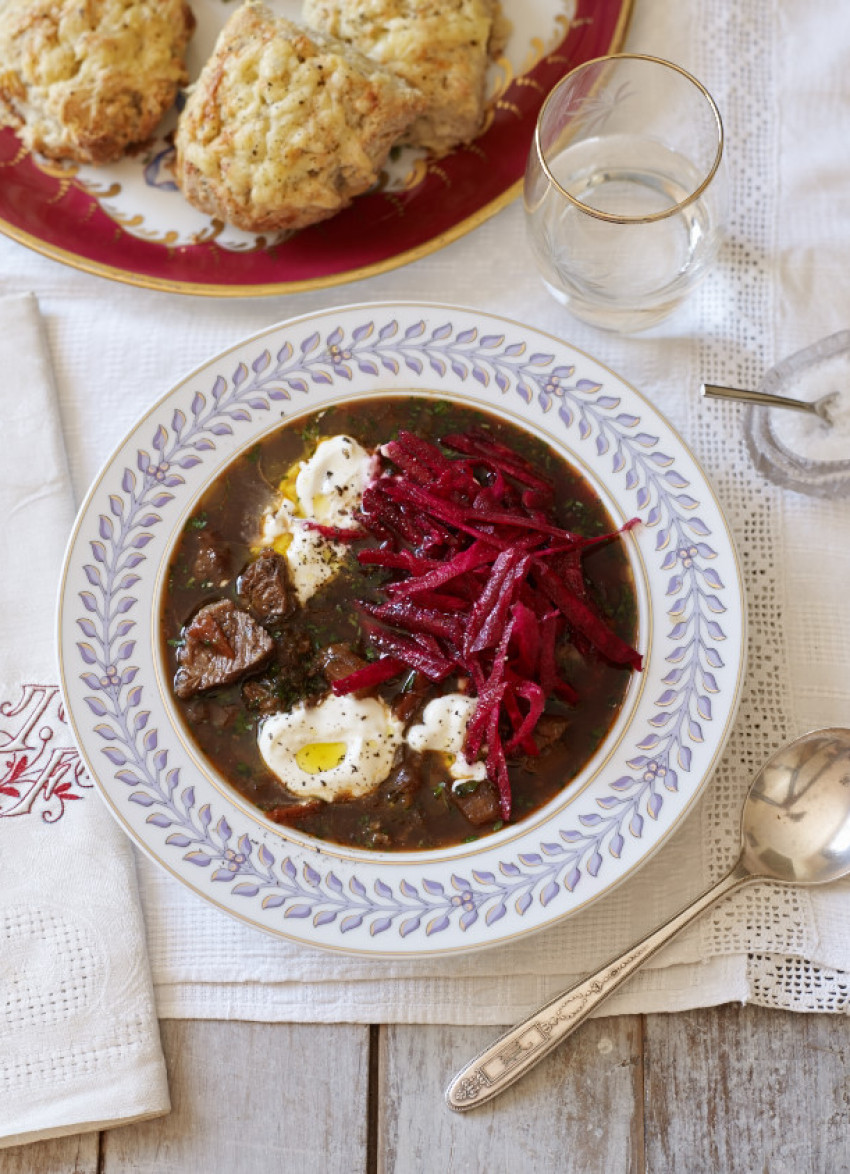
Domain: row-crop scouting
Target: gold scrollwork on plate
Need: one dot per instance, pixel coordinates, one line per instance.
(101, 192)
(62, 171)
(20, 155)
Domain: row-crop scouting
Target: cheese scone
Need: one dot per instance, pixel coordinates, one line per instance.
(440, 47)
(284, 128)
(86, 80)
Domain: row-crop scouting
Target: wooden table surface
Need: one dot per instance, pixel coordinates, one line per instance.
(738, 1089)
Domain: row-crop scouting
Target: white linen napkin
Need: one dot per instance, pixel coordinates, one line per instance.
(80, 1040)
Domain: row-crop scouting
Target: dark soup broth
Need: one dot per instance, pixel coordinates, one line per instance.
(399, 623)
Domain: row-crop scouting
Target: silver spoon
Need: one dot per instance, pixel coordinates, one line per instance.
(819, 407)
(795, 829)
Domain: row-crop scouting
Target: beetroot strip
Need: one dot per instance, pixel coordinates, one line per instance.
(498, 601)
(526, 636)
(582, 617)
(405, 614)
(491, 597)
(497, 768)
(477, 444)
(533, 694)
(474, 556)
(368, 677)
(336, 533)
(398, 560)
(435, 667)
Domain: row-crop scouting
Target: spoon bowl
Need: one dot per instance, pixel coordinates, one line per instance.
(795, 825)
(795, 829)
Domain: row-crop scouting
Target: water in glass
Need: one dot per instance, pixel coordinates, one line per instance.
(623, 276)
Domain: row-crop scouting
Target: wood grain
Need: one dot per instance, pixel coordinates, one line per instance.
(744, 1089)
(63, 1155)
(253, 1097)
(580, 1110)
(731, 1090)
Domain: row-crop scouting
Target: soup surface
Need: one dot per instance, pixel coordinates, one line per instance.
(489, 645)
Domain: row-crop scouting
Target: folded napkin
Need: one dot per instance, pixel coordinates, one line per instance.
(80, 1040)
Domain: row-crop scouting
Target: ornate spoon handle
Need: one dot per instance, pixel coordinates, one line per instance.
(520, 1048)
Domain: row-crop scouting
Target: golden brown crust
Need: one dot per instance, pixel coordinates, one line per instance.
(86, 80)
(440, 47)
(284, 129)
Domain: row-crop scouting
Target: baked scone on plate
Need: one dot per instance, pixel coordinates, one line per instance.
(284, 127)
(86, 80)
(441, 47)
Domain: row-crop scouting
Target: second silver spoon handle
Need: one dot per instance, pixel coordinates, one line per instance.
(715, 391)
(518, 1050)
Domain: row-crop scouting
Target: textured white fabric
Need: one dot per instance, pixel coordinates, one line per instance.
(80, 1041)
(776, 69)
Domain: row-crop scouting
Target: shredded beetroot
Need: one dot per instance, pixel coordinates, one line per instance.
(483, 584)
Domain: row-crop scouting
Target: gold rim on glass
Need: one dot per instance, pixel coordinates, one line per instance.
(616, 217)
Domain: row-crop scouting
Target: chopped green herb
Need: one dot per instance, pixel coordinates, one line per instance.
(243, 724)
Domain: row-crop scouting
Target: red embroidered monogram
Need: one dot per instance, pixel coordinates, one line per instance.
(38, 773)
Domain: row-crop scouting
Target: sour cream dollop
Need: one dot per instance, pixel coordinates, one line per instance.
(328, 487)
(443, 728)
(343, 747)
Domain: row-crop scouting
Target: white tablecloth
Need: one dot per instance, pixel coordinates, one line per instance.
(777, 70)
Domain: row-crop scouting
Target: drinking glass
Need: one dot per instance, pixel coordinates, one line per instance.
(625, 195)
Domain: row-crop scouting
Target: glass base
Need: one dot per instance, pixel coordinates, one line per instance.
(626, 320)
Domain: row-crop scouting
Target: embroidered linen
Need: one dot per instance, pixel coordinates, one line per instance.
(80, 1042)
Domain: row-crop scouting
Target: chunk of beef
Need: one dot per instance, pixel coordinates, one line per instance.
(264, 587)
(338, 661)
(550, 729)
(480, 805)
(402, 784)
(295, 657)
(289, 814)
(413, 699)
(222, 716)
(221, 644)
(548, 732)
(260, 697)
(211, 563)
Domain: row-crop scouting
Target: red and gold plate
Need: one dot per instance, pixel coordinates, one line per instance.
(129, 223)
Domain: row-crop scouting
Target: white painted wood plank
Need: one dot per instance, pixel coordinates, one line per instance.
(62, 1155)
(738, 1089)
(254, 1097)
(579, 1111)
